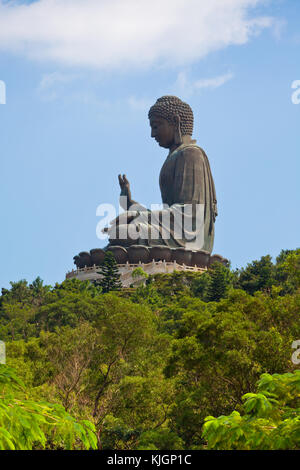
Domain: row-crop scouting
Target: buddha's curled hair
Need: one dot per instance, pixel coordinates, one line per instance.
(167, 107)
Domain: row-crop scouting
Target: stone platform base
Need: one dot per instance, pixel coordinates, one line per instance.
(141, 254)
(155, 267)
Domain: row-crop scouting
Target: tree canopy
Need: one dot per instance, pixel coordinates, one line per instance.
(184, 361)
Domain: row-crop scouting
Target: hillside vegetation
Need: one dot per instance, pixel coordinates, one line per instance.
(185, 361)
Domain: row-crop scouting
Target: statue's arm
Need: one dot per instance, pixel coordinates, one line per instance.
(190, 177)
(193, 182)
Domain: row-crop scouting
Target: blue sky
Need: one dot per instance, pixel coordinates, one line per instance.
(80, 76)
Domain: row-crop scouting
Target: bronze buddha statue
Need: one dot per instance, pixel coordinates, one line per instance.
(185, 182)
(183, 230)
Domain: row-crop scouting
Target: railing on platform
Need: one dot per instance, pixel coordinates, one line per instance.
(178, 267)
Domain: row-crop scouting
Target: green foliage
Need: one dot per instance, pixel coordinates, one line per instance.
(76, 286)
(26, 424)
(200, 285)
(117, 435)
(110, 280)
(220, 349)
(160, 439)
(263, 274)
(147, 294)
(220, 281)
(23, 293)
(291, 266)
(172, 286)
(147, 366)
(258, 275)
(139, 275)
(270, 419)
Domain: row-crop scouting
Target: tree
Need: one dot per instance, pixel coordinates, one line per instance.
(19, 292)
(291, 266)
(200, 284)
(149, 368)
(76, 286)
(110, 274)
(39, 291)
(70, 352)
(26, 424)
(257, 276)
(64, 307)
(19, 320)
(270, 420)
(140, 276)
(219, 283)
(219, 351)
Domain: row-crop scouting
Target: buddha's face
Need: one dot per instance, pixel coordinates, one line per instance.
(162, 131)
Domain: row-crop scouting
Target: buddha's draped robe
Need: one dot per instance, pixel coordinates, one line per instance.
(185, 182)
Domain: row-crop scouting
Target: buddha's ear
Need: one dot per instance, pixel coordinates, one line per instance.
(177, 135)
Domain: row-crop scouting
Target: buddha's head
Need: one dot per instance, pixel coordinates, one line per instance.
(170, 119)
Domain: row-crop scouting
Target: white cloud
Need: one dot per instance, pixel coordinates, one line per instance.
(51, 79)
(126, 33)
(215, 82)
(279, 28)
(52, 85)
(187, 87)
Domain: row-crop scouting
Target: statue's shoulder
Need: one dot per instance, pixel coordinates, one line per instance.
(192, 153)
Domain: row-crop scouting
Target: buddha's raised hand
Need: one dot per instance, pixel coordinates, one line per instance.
(126, 200)
(125, 192)
(124, 185)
